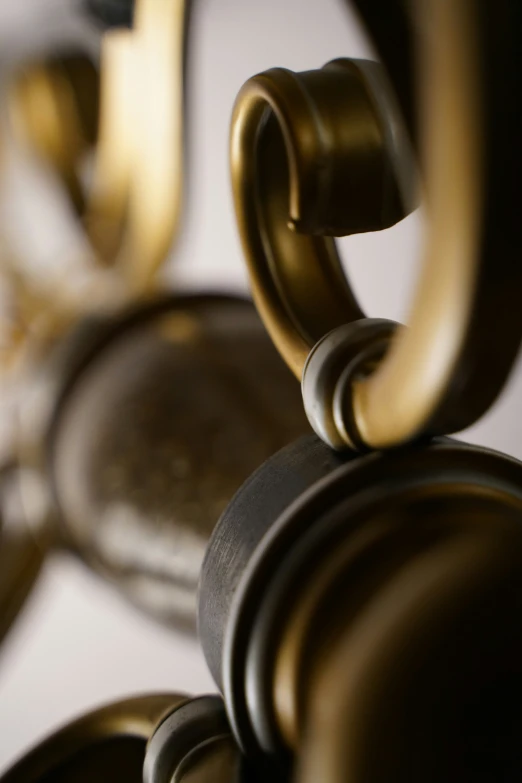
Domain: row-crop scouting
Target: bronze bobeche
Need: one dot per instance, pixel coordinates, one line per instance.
(359, 597)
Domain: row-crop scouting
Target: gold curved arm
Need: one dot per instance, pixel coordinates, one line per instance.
(106, 208)
(129, 724)
(443, 372)
(53, 106)
(401, 398)
(154, 134)
(132, 208)
(307, 165)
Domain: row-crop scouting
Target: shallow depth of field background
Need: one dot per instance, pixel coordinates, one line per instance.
(78, 644)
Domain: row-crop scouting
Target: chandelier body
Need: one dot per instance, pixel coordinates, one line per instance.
(357, 589)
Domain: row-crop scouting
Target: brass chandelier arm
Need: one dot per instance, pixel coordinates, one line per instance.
(156, 189)
(132, 208)
(53, 107)
(405, 394)
(273, 278)
(466, 322)
(308, 164)
(442, 373)
(126, 725)
(108, 199)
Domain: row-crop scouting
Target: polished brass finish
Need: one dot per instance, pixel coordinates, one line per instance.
(288, 207)
(381, 679)
(154, 436)
(371, 630)
(306, 551)
(131, 209)
(54, 107)
(128, 197)
(429, 567)
(139, 167)
(314, 538)
(108, 198)
(407, 393)
(431, 379)
(155, 197)
(155, 738)
(106, 745)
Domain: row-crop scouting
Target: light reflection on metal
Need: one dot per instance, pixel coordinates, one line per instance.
(429, 381)
(130, 207)
(136, 200)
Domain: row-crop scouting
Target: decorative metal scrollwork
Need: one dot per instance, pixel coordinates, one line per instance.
(358, 589)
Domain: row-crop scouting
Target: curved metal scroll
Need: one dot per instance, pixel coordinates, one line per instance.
(466, 323)
(108, 743)
(132, 207)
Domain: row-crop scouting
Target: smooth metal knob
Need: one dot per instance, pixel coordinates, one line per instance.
(194, 744)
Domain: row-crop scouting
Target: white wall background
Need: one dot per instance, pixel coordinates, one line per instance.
(78, 644)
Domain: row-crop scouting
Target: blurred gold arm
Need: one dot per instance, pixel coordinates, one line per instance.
(132, 210)
(157, 169)
(135, 206)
